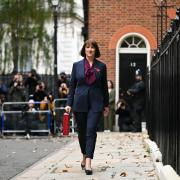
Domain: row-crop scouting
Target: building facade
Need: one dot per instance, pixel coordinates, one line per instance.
(127, 33)
(69, 43)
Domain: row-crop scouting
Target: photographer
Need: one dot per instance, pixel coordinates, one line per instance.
(40, 92)
(17, 93)
(62, 79)
(124, 120)
(63, 90)
(32, 81)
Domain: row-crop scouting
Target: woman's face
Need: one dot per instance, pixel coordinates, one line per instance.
(109, 85)
(90, 50)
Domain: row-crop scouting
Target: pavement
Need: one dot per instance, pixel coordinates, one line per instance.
(17, 153)
(117, 156)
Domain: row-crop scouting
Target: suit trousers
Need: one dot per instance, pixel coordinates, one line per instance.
(87, 124)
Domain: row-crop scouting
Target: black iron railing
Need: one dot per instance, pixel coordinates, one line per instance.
(163, 96)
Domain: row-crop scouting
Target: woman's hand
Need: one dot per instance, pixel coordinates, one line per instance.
(106, 111)
(68, 109)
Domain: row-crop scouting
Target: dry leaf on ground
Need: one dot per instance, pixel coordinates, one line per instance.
(123, 174)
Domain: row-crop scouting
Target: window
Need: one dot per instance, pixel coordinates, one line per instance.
(133, 42)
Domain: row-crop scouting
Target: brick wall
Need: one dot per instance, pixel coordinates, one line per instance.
(107, 17)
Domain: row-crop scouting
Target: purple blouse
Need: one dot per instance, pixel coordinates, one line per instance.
(89, 73)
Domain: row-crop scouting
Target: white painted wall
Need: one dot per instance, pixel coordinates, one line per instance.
(69, 40)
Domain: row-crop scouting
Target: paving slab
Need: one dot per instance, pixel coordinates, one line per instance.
(117, 156)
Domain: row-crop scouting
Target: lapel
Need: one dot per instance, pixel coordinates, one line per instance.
(81, 69)
(97, 69)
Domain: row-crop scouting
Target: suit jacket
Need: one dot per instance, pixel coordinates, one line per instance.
(81, 95)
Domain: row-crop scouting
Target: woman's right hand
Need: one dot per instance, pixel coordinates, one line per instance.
(68, 109)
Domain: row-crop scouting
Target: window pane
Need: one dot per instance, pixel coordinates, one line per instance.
(142, 45)
(136, 39)
(124, 45)
(129, 40)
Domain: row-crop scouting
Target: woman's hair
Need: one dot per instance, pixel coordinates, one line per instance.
(94, 44)
(112, 84)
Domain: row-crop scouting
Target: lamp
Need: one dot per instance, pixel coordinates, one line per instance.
(55, 6)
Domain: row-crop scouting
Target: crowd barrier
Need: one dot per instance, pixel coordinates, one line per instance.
(16, 118)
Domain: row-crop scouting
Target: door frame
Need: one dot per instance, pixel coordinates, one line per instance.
(128, 51)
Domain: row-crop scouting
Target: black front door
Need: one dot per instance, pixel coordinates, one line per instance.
(129, 63)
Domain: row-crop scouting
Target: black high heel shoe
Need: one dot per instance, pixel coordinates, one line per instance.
(88, 172)
(83, 166)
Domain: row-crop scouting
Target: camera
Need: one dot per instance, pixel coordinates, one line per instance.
(40, 86)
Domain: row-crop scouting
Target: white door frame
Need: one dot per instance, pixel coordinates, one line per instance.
(128, 51)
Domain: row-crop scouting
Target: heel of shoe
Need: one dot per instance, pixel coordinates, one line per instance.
(88, 172)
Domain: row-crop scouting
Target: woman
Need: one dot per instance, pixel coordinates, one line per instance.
(88, 98)
(109, 120)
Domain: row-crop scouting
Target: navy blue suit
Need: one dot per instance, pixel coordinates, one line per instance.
(88, 102)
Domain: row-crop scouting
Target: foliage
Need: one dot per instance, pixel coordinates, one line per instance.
(23, 21)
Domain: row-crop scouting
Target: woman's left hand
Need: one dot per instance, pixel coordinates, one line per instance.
(106, 111)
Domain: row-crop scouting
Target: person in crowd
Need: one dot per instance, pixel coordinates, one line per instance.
(3, 89)
(17, 93)
(3, 97)
(63, 91)
(88, 98)
(2, 100)
(40, 93)
(32, 81)
(62, 79)
(124, 120)
(51, 104)
(109, 120)
(137, 93)
(29, 117)
(40, 96)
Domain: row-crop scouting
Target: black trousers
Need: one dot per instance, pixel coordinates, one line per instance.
(87, 124)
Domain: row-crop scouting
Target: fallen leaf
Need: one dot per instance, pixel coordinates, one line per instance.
(64, 170)
(123, 174)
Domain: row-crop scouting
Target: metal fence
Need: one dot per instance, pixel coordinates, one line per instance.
(163, 97)
(15, 117)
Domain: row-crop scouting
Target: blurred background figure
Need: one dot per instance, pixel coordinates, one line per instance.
(63, 90)
(110, 118)
(51, 105)
(17, 93)
(3, 89)
(40, 92)
(137, 93)
(124, 120)
(32, 81)
(29, 117)
(62, 79)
